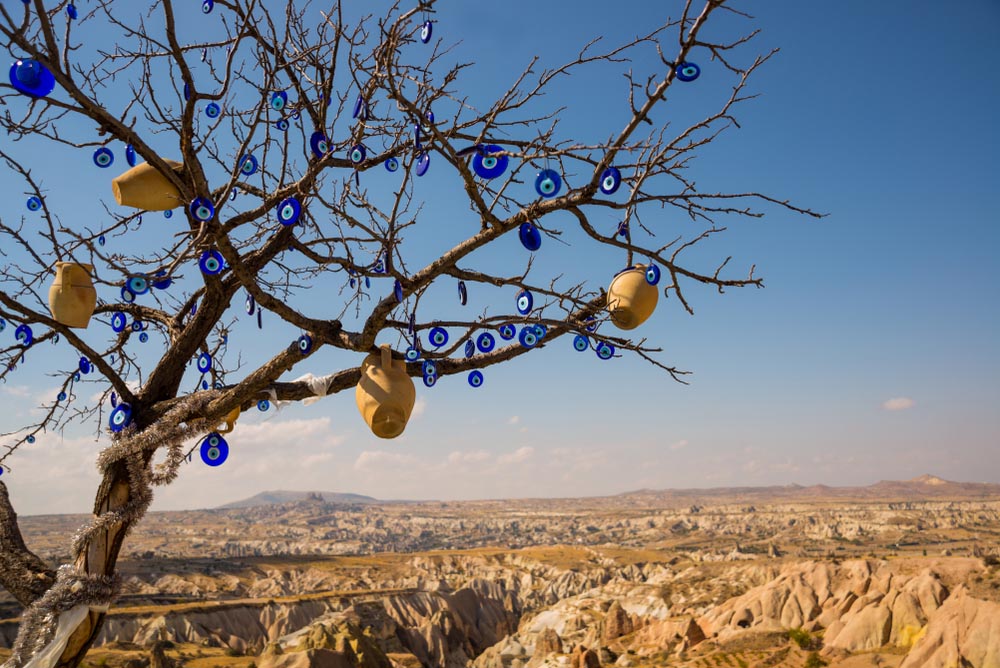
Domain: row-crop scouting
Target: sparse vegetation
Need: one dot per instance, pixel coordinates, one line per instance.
(800, 637)
(814, 661)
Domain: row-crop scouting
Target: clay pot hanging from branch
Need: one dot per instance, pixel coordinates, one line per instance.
(385, 394)
(143, 187)
(631, 297)
(72, 296)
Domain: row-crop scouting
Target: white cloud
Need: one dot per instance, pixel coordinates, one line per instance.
(419, 407)
(473, 457)
(898, 404)
(518, 456)
(514, 419)
(679, 444)
(379, 460)
(16, 390)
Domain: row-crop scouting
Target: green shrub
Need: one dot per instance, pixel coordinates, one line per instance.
(800, 637)
(814, 661)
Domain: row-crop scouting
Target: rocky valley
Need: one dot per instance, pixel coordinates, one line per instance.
(896, 574)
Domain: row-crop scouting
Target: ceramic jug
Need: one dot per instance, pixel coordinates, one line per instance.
(142, 187)
(631, 299)
(385, 394)
(72, 296)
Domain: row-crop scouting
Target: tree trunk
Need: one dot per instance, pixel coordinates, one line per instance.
(100, 557)
(22, 573)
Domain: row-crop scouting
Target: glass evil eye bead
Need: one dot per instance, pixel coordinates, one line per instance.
(540, 331)
(281, 124)
(24, 335)
(489, 166)
(118, 321)
(426, 30)
(423, 163)
(207, 6)
(250, 305)
(305, 344)
(688, 72)
(204, 363)
(430, 381)
(438, 336)
(319, 144)
(580, 343)
(547, 183)
(507, 332)
(429, 368)
(61, 397)
(476, 378)
(103, 157)
(168, 213)
(263, 405)
(121, 417)
(34, 203)
(162, 281)
(143, 337)
(610, 180)
(528, 337)
(652, 274)
(391, 164)
(213, 110)
(3, 324)
(530, 237)
(248, 165)
(31, 78)
(359, 104)
(127, 295)
(605, 350)
(202, 209)
(470, 348)
(71, 11)
(412, 354)
(357, 154)
(137, 284)
(463, 293)
(485, 342)
(137, 326)
(130, 155)
(85, 366)
(214, 449)
(279, 100)
(524, 302)
(397, 291)
(623, 229)
(288, 211)
(211, 262)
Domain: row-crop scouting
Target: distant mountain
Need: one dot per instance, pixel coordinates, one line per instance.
(922, 487)
(278, 496)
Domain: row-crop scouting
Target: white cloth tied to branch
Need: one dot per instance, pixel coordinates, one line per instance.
(318, 385)
(68, 622)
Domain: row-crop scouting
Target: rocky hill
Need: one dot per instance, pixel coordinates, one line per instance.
(280, 496)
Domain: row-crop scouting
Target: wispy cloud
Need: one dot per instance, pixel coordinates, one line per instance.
(897, 404)
(472, 457)
(518, 456)
(514, 419)
(379, 460)
(679, 445)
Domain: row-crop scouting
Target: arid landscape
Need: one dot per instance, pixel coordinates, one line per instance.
(895, 574)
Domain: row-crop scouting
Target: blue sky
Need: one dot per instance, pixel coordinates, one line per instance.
(878, 114)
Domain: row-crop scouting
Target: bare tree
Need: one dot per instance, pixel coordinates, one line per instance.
(238, 132)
